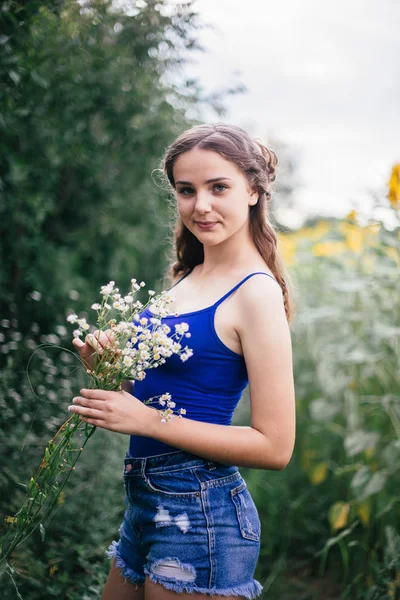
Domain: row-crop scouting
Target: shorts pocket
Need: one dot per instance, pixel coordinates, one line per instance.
(246, 512)
(214, 474)
(174, 483)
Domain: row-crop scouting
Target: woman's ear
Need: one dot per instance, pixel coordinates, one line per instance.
(253, 197)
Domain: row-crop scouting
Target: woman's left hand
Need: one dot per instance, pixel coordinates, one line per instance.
(116, 411)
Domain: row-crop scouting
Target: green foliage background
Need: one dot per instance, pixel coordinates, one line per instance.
(90, 98)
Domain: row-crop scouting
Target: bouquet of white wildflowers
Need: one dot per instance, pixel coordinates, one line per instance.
(133, 345)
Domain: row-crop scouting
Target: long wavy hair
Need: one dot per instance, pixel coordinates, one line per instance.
(258, 164)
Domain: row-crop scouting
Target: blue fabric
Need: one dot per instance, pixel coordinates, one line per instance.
(209, 384)
(189, 522)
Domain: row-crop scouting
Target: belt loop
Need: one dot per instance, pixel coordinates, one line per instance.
(144, 460)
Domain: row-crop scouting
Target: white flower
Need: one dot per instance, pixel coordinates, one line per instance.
(128, 362)
(181, 327)
(128, 299)
(72, 318)
(151, 292)
(107, 289)
(83, 324)
(96, 306)
(187, 354)
(121, 327)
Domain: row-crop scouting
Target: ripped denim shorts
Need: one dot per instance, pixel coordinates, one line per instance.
(190, 524)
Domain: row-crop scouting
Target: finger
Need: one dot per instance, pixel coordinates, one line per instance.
(90, 413)
(98, 340)
(78, 343)
(92, 341)
(110, 335)
(102, 338)
(88, 403)
(96, 394)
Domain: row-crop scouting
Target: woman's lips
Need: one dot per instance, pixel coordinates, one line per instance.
(205, 226)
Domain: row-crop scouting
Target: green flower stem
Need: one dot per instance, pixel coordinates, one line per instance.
(50, 492)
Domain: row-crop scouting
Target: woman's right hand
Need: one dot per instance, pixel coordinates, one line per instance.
(95, 343)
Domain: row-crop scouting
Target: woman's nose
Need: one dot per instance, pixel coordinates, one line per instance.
(203, 202)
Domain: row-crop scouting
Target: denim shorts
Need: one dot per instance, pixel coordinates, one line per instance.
(190, 524)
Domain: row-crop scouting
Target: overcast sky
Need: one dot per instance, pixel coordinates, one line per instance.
(323, 78)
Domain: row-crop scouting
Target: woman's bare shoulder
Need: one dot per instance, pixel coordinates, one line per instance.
(178, 276)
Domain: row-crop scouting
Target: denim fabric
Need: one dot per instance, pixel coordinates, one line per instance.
(190, 524)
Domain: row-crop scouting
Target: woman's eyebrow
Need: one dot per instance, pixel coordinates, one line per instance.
(208, 180)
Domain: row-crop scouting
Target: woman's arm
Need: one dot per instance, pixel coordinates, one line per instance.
(266, 343)
(241, 446)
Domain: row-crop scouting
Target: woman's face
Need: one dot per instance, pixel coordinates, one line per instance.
(225, 200)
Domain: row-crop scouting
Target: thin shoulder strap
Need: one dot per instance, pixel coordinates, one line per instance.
(240, 283)
(185, 275)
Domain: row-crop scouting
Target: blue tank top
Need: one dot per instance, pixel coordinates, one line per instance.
(209, 384)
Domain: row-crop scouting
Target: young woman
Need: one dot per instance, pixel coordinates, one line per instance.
(191, 527)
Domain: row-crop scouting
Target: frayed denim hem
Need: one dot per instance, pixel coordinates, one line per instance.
(127, 572)
(249, 590)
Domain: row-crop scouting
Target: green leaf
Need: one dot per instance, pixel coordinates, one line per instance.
(365, 483)
(375, 484)
(358, 441)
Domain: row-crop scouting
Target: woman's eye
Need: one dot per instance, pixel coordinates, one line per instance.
(220, 185)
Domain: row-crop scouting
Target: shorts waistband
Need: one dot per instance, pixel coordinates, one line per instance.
(164, 462)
